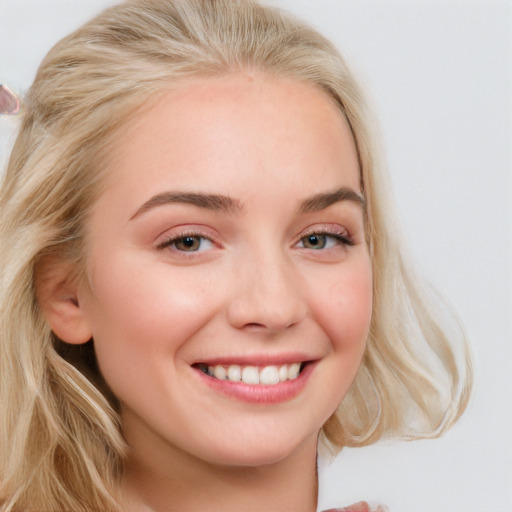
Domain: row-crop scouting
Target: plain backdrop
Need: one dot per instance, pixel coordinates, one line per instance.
(439, 74)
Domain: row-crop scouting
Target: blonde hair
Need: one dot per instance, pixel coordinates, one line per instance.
(60, 442)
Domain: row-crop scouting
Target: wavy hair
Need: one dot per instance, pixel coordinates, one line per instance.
(60, 442)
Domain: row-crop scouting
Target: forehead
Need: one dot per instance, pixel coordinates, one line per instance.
(205, 130)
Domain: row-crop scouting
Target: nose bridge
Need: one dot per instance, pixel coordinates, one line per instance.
(267, 292)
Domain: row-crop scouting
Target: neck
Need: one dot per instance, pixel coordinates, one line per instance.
(188, 484)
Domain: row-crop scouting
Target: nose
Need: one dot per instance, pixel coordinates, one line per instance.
(267, 295)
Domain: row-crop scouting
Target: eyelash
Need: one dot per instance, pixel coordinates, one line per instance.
(174, 239)
(340, 238)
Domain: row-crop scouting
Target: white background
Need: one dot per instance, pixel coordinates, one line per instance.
(439, 74)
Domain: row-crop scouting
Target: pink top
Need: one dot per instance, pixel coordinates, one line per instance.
(361, 506)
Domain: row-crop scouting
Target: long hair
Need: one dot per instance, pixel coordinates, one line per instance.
(60, 442)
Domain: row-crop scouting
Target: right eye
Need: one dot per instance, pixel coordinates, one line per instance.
(187, 243)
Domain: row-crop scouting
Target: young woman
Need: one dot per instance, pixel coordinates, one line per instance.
(200, 276)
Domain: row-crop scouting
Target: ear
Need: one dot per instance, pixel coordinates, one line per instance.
(57, 295)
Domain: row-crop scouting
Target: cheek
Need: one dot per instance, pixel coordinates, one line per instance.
(134, 320)
(345, 310)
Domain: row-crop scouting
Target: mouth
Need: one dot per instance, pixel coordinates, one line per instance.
(258, 381)
(269, 375)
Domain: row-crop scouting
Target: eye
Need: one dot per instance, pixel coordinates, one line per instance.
(314, 241)
(187, 243)
(318, 241)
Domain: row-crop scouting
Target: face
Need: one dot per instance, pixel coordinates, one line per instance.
(228, 279)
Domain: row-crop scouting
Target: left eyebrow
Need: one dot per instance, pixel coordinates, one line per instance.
(323, 200)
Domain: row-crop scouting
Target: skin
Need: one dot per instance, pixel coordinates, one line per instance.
(255, 288)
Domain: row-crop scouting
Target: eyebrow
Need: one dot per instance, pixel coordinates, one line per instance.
(226, 204)
(213, 202)
(323, 200)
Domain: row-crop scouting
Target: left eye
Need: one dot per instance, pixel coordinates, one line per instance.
(188, 243)
(317, 241)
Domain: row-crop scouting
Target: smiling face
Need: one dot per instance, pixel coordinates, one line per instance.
(227, 248)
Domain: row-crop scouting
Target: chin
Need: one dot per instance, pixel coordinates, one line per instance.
(263, 451)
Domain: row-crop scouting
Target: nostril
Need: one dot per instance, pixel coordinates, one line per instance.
(266, 300)
(254, 325)
(270, 326)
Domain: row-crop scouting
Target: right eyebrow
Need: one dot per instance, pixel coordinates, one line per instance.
(214, 202)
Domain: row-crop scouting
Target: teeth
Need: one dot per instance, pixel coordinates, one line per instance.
(220, 372)
(266, 375)
(269, 375)
(234, 373)
(250, 375)
(293, 371)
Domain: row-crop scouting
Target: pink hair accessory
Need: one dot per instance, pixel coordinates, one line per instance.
(9, 102)
(360, 506)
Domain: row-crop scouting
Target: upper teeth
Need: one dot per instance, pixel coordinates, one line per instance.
(266, 375)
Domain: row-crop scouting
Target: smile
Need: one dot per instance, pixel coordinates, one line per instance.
(257, 382)
(254, 375)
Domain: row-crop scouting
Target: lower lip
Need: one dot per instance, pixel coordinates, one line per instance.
(260, 393)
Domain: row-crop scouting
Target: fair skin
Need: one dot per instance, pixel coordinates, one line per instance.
(229, 234)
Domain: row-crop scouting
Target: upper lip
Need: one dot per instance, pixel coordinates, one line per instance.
(257, 360)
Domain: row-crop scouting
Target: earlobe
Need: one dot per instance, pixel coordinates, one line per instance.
(57, 296)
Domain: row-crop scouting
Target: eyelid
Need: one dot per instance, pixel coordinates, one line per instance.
(333, 230)
(179, 232)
